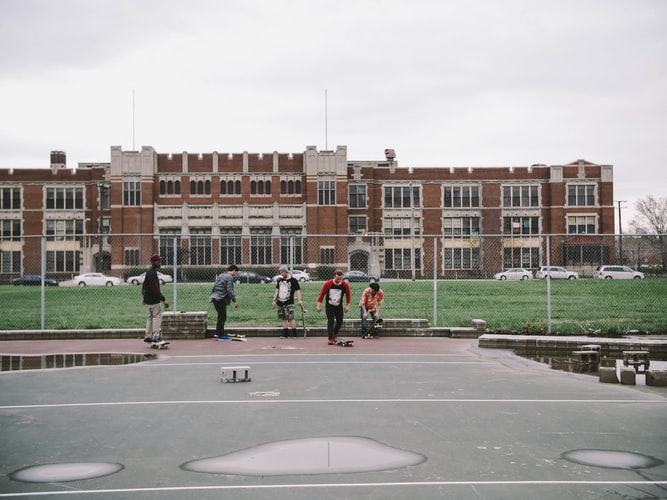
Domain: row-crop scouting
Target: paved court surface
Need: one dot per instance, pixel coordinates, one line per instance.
(389, 418)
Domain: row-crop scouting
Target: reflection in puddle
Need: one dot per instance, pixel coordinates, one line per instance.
(611, 459)
(58, 473)
(324, 455)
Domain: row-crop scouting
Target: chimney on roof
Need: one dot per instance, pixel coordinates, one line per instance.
(58, 160)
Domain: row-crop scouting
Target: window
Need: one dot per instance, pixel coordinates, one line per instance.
(326, 192)
(401, 197)
(461, 258)
(461, 196)
(230, 246)
(62, 230)
(64, 198)
(10, 262)
(357, 195)
(230, 187)
(581, 195)
(327, 255)
(200, 247)
(291, 246)
(521, 226)
(10, 229)
(521, 196)
(399, 258)
(357, 224)
(521, 257)
(132, 257)
(581, 224)
(461, 226)
(400, 226)
(167, 237)
(10, 198)
(61, 261)
(131, 193)
(260, 246)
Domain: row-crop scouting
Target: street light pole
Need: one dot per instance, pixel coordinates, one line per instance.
(620, 231)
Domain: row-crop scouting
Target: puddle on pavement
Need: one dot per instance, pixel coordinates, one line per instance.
(563, 363)
(58, 473)
(611, 459)
(323, 455)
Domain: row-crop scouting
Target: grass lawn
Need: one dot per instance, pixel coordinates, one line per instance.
(613, 306)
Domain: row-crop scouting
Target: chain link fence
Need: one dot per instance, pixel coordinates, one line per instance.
(448, 280)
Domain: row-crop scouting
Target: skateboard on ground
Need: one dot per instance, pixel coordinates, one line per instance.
(344, 342)
(303, 320)
(373, 331)
(238, 337)
(162, 344)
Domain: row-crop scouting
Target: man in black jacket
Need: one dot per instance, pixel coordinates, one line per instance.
(152, 296)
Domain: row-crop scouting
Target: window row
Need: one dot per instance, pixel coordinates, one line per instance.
(229, 187)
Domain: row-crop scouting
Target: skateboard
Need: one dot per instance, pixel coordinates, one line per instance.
(373, 331)
(238, 337)
(303, 320)
(162, 344)
(344, 342)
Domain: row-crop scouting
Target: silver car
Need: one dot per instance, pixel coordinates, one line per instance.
(556, 273)
(617, 272)
(96, 279)
(515, 273)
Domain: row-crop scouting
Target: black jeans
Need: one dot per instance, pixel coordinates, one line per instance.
(221, 309)
(334, 319)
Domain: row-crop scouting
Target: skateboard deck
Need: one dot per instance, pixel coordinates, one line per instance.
(238, 337)
(160, 345)
(303, 320)
(373, 331)
(344, 342)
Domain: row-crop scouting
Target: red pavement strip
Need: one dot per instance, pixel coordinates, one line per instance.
(253, 345)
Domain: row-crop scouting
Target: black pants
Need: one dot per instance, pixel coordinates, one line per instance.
(334, 319)
(221, 309)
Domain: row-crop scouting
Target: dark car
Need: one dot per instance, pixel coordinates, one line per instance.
(250, 277)
(35, 280)
(361, 277)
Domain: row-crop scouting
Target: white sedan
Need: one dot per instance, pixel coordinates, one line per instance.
(96, 279)
(138, 280)
(515, 273)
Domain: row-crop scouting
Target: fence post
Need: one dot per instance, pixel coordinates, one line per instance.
(548, 278)
(43, 274)
(174, 257)
(435, 281)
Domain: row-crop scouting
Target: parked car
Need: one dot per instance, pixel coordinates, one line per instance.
(360, 276)
(556, 273)
(250, 277)
(515, 273)
(34, 279)
(137, 280)
(96, 279)
(617, 272)
(302, 276)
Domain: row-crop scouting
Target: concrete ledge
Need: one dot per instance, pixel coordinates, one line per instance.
(628, 376)
(608, 375)
(657, 378)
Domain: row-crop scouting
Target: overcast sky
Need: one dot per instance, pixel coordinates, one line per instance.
(443, 82)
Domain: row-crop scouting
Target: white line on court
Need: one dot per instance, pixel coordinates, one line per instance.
(338, 401)
(334, 485)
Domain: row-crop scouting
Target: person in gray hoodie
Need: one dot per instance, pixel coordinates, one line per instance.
(222, 295)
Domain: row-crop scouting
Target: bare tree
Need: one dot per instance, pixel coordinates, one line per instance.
(652, 221)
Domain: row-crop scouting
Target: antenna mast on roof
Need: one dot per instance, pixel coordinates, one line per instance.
(133, 148)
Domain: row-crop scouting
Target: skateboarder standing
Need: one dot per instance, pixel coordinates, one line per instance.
(333, 291)
(152, 296)
(369, 305)
(286, 287)
(222, 295)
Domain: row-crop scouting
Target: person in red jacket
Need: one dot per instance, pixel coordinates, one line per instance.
(335, 291)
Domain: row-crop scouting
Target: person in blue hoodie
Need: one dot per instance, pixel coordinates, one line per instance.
(223, 295)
